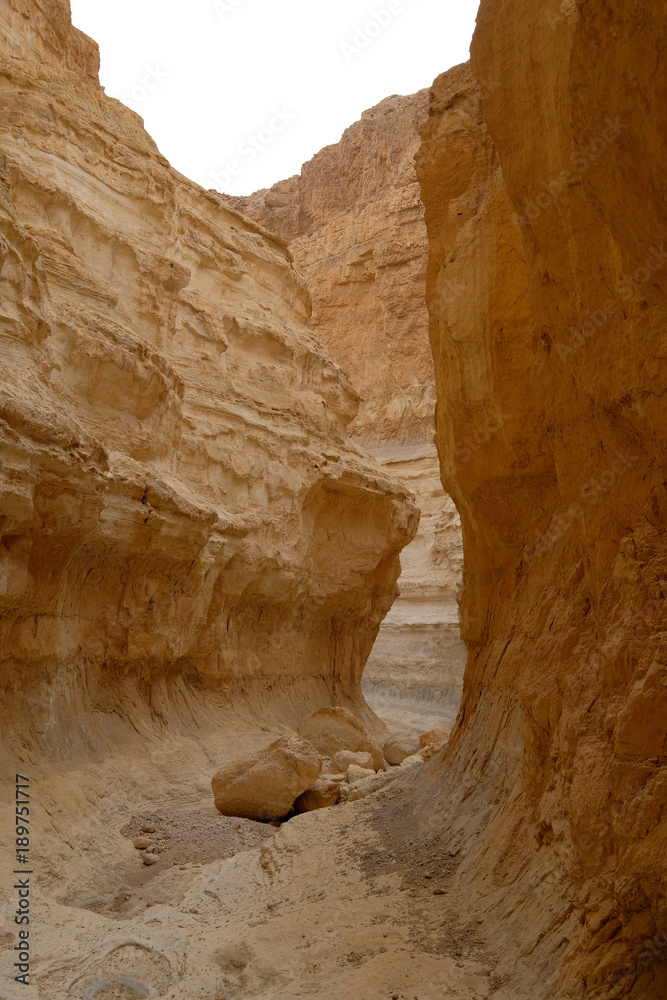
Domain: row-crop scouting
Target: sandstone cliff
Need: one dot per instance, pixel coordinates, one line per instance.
(355, 225)
(545, 200)
(181, 510)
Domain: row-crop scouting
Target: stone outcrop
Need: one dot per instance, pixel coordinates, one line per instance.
(544, 194)
(333, 729)
(264, 785)
(185, 522)
(355, 225)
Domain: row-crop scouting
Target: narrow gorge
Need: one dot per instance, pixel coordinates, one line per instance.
(355, 225)
(230, 431)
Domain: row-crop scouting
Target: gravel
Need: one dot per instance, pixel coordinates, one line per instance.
(180, 838)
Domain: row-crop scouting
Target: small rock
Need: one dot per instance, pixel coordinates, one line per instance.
(431, 751)
(143, 844)
(342, 760)
(339, 778)
(321, 795)
(150, 859)
(356, 773)
(415, 758)
(434, 736)
(148, 829)
(397, 748)
(439, 892)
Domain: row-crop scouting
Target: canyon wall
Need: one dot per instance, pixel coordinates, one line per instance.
(355, 225)
(184, 520)
(545, 202)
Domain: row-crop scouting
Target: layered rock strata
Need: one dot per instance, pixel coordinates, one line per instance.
(415, 670)
(355, 225)
(182, 515)
(545, 202)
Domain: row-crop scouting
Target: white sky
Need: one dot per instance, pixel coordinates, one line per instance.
(239, 93)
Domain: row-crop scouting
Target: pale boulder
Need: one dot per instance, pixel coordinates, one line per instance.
(434, 737)
(356, 773)
(415, 758)
(264, 785)
(397, 748)
(322, 795)
(342, 760)
(334, 728)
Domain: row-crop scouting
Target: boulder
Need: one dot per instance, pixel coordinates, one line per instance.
(342, 760)
(433, 737)
(356, 773)
(415, 758)
(321, 795)
(397, 748)
(333, 728)
(264, 785)
(432, 750)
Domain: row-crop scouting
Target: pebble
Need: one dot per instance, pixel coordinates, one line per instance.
(150, 859)
(143, 844)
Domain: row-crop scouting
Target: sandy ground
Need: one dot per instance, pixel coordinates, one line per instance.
(350, 902)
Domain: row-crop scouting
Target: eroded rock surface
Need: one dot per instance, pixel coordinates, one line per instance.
(541, 206)
(355, 225)
(181, 510)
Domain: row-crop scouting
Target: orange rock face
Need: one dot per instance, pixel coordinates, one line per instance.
(545, 203)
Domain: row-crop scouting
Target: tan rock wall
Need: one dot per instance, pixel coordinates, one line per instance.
(180, 506)
(553, 222)
(355, 225)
